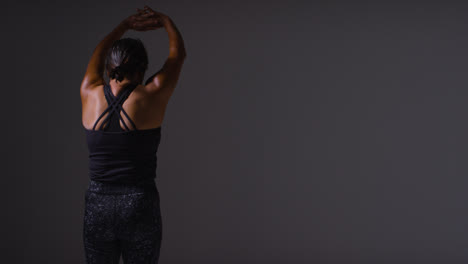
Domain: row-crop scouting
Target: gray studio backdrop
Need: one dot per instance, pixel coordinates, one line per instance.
(299, 132)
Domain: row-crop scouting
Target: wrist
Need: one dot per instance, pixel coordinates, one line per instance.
(125, 25)
(166, 21)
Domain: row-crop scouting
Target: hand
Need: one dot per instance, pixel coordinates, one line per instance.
(149, 13)
(143, 21)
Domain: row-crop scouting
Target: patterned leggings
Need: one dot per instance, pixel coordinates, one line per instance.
(122, 220)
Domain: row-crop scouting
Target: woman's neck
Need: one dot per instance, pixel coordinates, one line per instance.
(117, 86)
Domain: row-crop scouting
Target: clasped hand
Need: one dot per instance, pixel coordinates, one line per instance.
(146, 19)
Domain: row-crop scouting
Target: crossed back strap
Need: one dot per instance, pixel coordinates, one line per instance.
(114, 108)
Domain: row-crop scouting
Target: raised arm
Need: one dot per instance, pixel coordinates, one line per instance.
(95, 70)
(165, 80)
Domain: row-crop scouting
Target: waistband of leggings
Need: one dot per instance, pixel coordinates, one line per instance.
(121, 188)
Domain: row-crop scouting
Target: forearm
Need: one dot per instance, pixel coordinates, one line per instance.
(176, 43)
(115, 34)
(101, 49)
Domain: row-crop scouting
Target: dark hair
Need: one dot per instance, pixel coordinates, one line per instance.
(126, 57)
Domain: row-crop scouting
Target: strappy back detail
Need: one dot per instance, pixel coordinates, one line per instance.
(112, 120)
(119, 155)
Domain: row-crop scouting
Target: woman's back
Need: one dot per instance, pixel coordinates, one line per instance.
(122, 120)
(120, 151)
(144, 107)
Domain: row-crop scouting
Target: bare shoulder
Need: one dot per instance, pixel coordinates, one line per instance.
(146, 107)
(91, 99)
(148, 102)
(165, 80)
(90, 91)
(91, 104)
(153, 93)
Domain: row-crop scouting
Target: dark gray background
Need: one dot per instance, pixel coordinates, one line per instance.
(299, 132)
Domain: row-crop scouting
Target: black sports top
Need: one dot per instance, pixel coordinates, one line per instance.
(118, 155)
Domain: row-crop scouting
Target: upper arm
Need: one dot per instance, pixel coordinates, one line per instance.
(94, 72)
(164, 81)
(89, 82)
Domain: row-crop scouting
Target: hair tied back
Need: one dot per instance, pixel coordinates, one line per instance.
(118, 73)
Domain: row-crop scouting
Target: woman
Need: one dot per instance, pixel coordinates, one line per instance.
(122, 120)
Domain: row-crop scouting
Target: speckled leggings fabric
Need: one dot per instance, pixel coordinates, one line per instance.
(122, 220)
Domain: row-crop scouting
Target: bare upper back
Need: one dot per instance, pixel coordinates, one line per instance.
(146, 109)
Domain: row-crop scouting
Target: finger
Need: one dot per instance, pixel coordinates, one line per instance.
(146, 28)
(139, 18)
(148, 22)
(155, 27)
(142, 11)
(147, 8)
(145, 24)
(137, 15)
(146, 14)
